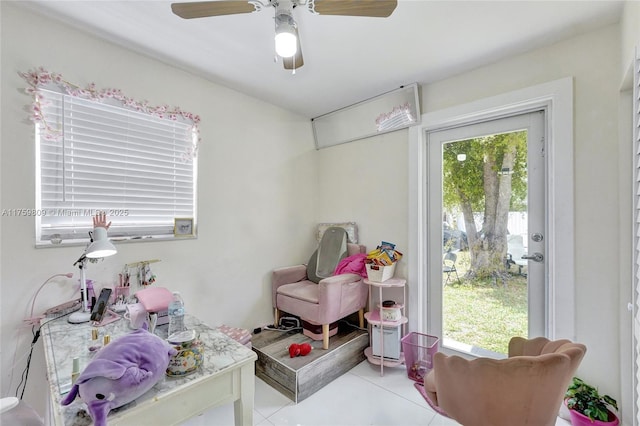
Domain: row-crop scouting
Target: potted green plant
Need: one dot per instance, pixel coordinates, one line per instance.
(587, 407)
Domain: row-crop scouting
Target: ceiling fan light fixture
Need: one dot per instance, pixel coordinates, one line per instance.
(286, 40)
(286, 45)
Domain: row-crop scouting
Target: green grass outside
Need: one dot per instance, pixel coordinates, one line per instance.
(484, 313)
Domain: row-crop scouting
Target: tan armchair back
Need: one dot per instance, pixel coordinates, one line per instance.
(525, 389)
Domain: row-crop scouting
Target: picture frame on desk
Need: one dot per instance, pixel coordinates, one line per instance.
(183, 227)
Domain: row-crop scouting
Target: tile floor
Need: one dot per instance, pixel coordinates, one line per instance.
(359, 397)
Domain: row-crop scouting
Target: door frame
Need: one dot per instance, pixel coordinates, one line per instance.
(556, 99)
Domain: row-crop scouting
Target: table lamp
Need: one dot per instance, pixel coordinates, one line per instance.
(99, 247)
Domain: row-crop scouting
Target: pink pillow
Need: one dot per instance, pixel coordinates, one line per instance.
(353, 264)
(155, 299)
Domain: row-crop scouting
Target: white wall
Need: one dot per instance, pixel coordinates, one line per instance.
(630, 28)
(366, 182)
(257, 175)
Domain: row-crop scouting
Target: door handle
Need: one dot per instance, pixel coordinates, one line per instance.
(536, 257)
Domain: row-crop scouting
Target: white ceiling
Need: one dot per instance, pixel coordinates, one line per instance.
(347, 59)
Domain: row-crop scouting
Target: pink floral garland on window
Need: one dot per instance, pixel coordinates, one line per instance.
(38, 78)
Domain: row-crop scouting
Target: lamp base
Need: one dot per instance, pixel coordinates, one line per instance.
(79, 317)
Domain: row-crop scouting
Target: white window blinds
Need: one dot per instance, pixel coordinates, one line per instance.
(132, 165)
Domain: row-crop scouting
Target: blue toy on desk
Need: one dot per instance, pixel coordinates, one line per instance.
(121, 372)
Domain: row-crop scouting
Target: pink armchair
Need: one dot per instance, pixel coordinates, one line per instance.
(328, 301)
(526, 388)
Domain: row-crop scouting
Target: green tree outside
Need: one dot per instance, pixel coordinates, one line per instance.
(488, 175)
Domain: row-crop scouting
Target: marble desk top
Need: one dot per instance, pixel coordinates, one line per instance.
(64, 341)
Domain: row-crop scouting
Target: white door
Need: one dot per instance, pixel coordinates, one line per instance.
(532, 272)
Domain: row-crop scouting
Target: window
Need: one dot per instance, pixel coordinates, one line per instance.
(94, 154)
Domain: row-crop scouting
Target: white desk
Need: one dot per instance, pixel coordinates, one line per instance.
(227, 375)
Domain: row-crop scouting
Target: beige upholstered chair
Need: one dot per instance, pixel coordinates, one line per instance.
(319, 303)
(527, 388)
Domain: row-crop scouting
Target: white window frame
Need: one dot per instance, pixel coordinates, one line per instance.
(127, 225)
(556, 98)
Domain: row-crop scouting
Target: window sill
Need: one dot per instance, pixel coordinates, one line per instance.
(116, 240)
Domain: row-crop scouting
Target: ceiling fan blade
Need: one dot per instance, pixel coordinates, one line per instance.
(202, 9)
(372, 8)
(289, 63)
(296, 60)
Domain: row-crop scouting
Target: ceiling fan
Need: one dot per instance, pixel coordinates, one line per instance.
(286, 38)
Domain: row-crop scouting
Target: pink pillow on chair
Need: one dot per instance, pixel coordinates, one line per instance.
(352, 265)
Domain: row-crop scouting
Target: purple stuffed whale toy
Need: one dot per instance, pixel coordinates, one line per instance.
(121, 372)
